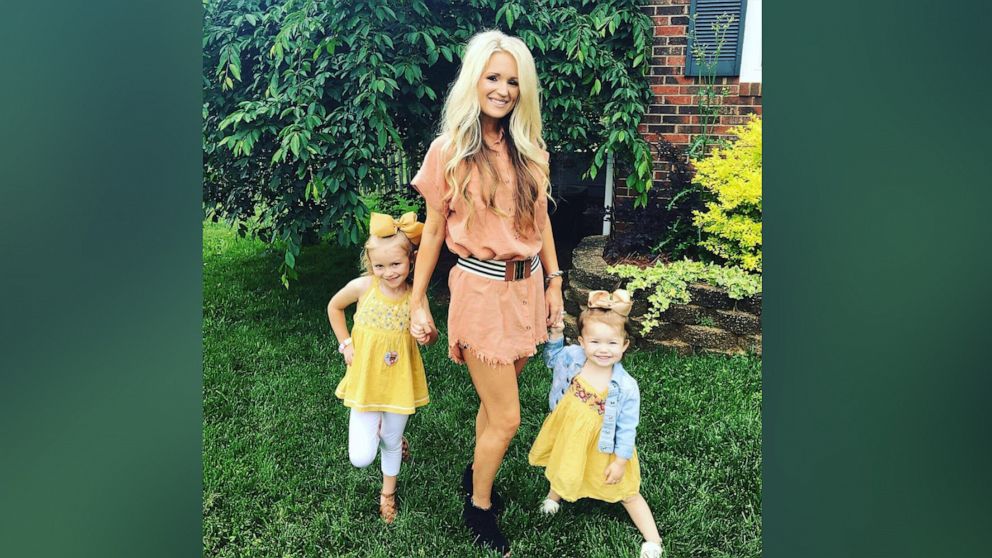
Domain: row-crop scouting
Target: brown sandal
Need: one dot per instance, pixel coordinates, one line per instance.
(387, 507)
(406, 451)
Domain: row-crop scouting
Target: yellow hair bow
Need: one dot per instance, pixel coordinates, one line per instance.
(618, 301)
(383, 225)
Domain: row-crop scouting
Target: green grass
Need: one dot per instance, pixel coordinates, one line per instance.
(276, 475)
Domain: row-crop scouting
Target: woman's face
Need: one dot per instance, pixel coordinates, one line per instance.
(498, 86)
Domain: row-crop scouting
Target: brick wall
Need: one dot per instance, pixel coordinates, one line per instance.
(673, 114)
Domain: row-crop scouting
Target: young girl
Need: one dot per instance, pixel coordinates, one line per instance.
(385, 380)
(586, 444)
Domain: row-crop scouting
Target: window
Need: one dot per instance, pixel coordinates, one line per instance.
(709, 13)
(751, 51)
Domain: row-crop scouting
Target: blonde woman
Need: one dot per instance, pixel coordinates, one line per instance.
(486, 186)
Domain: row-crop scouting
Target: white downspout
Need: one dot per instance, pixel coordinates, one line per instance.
(608, 193)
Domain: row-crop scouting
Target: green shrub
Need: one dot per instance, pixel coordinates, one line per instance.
(668, 284)
(393, 203)
(731, 223)
(309, 102)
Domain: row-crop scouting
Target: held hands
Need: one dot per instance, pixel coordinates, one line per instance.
(422, 324)
(557, 329)
(614, 471)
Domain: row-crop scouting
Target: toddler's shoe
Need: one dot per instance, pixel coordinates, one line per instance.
(549, 506)
(485, 530)
(651, 550)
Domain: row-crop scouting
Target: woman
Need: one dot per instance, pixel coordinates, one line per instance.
(485, 182)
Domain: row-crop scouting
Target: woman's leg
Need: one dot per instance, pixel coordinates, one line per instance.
(497, 389)
(639, 511)
(363, 437)
(480, 418)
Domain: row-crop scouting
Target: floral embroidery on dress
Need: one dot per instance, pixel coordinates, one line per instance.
(378, 313)
(594, 401)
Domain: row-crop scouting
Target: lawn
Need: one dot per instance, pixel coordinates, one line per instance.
(276, 475)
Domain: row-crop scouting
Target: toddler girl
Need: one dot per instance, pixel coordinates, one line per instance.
(586, 444)
(385, 380)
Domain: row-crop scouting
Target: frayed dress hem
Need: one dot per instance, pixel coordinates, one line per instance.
(456, 346)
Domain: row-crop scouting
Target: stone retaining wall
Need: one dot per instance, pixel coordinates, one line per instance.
(711, 322)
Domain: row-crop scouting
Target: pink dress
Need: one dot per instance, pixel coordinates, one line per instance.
(499, 321)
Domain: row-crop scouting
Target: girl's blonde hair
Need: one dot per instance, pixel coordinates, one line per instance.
(462, 129)
(603, 316)
(373, 242)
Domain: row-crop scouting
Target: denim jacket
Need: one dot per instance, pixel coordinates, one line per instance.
(623, 400)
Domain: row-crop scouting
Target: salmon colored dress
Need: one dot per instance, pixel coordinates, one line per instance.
(499, 321)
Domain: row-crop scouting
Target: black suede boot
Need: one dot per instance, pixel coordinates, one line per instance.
(496, 499)
(484, 529)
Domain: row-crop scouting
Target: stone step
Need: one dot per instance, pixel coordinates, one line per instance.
(751, 344)
(708, 337)
(679, 347)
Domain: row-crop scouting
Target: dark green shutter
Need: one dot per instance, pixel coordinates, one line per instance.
(707, 11)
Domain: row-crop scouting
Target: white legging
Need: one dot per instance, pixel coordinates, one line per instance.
(365, 437)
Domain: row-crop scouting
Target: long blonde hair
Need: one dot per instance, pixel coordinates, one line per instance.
(462, 129)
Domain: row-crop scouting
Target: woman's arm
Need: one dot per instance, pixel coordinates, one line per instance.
(431, 239)
(549, 260)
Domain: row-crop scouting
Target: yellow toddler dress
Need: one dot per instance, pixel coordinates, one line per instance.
(387, 373)
(567, 447)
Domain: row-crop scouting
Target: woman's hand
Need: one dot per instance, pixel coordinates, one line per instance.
(422, 323)
(553, 301)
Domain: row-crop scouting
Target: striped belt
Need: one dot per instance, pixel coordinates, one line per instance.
(510, 270)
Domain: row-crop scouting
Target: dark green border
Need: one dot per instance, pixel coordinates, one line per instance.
(876, 421)
(876, 385)
(101, 369)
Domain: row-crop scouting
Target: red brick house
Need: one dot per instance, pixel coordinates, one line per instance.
(673, 115)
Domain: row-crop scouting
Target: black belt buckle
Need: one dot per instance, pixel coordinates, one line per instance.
(517, 270)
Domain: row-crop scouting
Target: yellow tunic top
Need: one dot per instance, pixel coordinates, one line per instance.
(567, 447)
(386, 373)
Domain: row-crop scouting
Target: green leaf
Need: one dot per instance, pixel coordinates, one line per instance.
(290, 259)
(429, 42)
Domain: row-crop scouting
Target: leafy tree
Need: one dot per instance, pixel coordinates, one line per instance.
(308, 103)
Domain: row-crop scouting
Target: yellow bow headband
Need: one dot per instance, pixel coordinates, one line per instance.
(383, 226)
(618, 301)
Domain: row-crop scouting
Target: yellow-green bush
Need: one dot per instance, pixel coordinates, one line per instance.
(668, 283)
(731, 223)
